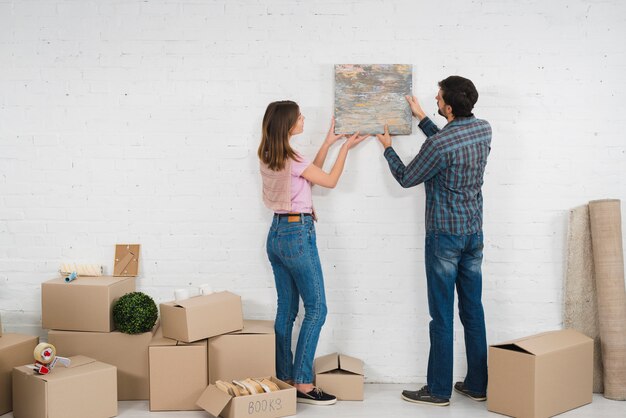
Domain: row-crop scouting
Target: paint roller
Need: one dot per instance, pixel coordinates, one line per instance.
(81, 269)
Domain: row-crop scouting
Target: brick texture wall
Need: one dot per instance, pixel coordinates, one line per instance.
(138, 121)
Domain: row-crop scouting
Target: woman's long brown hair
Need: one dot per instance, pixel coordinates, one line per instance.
(279, 118)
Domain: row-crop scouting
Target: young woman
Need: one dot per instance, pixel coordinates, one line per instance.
(291, 242)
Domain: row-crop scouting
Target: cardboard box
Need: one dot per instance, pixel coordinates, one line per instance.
(542, 375)
(85, 304)
(129, 353)
(87, 388)
(178, 373)
(245, 353)
(340, 375)
(281, 403)
(202, 317)
(15, 350)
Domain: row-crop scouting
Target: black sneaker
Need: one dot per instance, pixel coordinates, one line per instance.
(460, 387)
(316, 397)
(423, 396)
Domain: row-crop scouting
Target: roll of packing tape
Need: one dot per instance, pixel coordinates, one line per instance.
(181, 294)
(44, 353)
(205, 289)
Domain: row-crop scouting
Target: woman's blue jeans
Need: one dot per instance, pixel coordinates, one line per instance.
(455, 261)
(292, 251)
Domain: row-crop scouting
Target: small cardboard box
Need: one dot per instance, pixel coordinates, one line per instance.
(202, 317)
(178, 373)
(87, 388)
(84, 304)
(340, 375)
(15, 350)
(245, 353)
(277, 404)
(542, 375)
(129, 353)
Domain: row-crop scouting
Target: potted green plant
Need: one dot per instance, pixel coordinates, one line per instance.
(135, 313)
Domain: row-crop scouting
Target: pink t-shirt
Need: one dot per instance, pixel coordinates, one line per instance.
(301, 199)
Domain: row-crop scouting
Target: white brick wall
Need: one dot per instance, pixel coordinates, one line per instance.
(138, 121)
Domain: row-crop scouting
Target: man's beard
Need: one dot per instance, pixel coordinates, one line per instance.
(441, 113)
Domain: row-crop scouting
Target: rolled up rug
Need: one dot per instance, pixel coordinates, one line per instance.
(608, 259)
(580, 305)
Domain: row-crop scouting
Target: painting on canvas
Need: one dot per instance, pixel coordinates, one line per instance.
(369, 95)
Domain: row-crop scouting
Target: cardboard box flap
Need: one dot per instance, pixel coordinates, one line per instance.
(350, 364)
(336, 361)
(77, 361)
(195, 301)
(546, 342)
(213, 400)
(327, 363)
(251, 326)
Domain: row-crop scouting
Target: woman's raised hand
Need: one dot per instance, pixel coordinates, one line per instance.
(331, 137)
(355, 140)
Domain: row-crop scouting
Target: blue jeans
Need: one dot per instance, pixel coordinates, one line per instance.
(292, 251)
(455, 260)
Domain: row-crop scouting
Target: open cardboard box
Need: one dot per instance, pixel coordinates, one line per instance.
(240, 354)
(87, 388)
(542, 375)
(84, 304)
(340, 375)
(129, 353)
(15, 350)
(277, 404)
(201, 317)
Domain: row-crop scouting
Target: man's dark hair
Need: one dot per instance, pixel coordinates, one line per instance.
(460, 93)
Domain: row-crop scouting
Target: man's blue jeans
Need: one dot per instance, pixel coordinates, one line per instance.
(455, 260)
(292, 251)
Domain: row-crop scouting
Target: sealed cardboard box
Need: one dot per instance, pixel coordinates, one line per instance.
(542, 375)
(129, 353)
(178, 373)
(15, 350)
(87, 388)
(84, 304)
(340, 375)
(245, 353)
(277, 404)
(201, 317)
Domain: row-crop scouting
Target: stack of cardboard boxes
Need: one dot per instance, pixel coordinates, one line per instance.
(105, 365)
(198, 341)
(80, 317)
(179, 356)
(203, 339)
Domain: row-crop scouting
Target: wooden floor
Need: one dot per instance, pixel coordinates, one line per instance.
(383, 401)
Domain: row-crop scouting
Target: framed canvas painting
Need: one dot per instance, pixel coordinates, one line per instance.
(368, 96)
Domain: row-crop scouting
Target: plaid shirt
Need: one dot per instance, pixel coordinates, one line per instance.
(451, 164)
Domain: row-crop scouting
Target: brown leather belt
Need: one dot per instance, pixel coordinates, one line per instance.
(292, 217)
